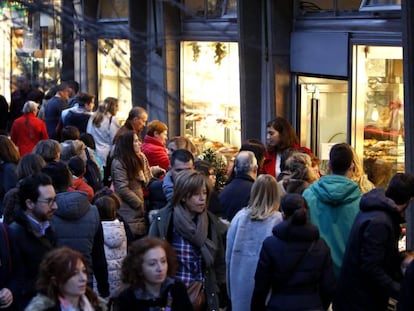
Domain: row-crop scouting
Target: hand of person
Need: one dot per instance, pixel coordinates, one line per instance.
(157, 171)
(6, 298)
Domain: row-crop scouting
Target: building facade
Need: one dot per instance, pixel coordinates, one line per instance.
(339, 70)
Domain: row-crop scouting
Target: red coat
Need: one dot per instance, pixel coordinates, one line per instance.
(79, 184)
(269, 165)
(27, 131)
(155, 152)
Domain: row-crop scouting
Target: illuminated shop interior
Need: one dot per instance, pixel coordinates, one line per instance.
(114, 74)
(210, 92)
(379, 106)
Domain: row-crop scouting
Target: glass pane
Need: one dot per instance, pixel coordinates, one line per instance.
(210, 8)
(324, 111)
(194, 8)
(210, 92)
(215, 8)
(114, 73)
(35, 39)
(113, 9)
(379, 100)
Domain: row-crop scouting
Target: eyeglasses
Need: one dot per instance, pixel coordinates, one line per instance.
(49, 201)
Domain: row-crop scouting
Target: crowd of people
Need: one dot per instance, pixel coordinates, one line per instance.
(99, 216)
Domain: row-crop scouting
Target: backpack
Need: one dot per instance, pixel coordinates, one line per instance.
(92, 174)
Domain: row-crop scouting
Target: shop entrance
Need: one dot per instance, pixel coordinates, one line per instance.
(323, 114)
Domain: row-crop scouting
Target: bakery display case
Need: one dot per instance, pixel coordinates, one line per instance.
(379, 117)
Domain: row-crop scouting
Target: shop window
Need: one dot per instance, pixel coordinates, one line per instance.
(108, 9)
(114, 73)
(320, 6)
(210, 8)
(210, 93)
(379, 111)
(35, 43)
(380, 5)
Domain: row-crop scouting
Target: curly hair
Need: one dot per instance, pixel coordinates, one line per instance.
(132, 265)
(56, 268)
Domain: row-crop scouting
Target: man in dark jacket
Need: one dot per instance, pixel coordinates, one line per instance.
(236, 194)
(78, 225)
(31, 234)
(371, 271)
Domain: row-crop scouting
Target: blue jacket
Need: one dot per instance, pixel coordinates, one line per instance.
(333, 205)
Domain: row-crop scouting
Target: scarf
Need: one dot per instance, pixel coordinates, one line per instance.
(195, 232)
(84, 304)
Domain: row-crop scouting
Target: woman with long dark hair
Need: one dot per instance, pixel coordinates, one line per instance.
(130, 174)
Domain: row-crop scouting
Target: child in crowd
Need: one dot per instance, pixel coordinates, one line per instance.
(78, 168)
(115, 236)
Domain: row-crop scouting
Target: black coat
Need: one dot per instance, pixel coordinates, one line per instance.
(177, 291)
(300, 277)
(371, 260)
(29, 251)
(406, 300)
(6, 264)
(236, 195)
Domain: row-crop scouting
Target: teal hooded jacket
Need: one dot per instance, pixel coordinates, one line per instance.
(333, 205)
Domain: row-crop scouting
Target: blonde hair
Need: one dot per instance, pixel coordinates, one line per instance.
(264, 197)
(358, 174)
(299, 165)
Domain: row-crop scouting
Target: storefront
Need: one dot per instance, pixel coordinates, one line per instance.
(352, 91)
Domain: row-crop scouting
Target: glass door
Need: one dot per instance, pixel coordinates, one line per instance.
(323, 115)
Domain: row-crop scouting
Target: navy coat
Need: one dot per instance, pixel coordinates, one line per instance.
(298, 279)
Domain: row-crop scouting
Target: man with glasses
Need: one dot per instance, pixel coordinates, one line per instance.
(31, 235)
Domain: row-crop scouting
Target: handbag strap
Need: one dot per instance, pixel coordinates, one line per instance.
(300, 261)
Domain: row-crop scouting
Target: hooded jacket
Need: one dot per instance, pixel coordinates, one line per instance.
(115, 245)
(299, 273)
(333, 205)
(372, 258)
(78, 227)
